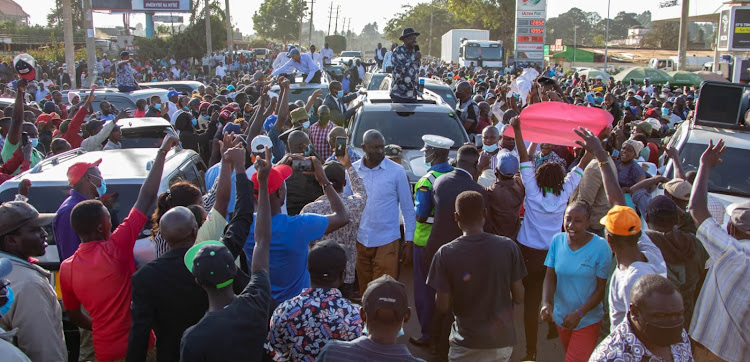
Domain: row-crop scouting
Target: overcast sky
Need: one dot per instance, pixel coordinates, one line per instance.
(242, 11)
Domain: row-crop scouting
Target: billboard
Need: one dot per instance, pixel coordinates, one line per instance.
(734, 29)
(531, 21)
(142, 6)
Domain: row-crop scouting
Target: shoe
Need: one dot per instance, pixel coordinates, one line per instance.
(530, 356)
(419, 342)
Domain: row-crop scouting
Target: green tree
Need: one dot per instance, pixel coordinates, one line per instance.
(663, 35)
(418, 17)
(183, 44)
(564, 27)
(598, 40)
(55, 17)
(279, 19)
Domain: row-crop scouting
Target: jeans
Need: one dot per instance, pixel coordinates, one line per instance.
(126, 88)
(315, 78)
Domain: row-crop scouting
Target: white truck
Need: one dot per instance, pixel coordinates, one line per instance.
(692, 63)
(472, 47)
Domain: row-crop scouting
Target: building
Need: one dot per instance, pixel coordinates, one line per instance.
(11, 11)
(636, 35)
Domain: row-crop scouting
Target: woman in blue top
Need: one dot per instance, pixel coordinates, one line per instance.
(578, 264)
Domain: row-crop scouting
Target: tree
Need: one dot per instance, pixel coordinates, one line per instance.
(55, 17)
(644, 19)
(418, 17)
(279, 19)
(183, 45)
(663, 35)
(563, 26)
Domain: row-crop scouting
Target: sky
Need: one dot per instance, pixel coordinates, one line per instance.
(242, 11)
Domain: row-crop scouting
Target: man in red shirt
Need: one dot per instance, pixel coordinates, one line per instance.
(71, 134)
(98, 274)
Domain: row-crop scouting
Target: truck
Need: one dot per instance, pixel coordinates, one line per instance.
(692, 64)
(471, 47)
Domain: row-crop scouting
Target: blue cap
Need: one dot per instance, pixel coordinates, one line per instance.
(290, 48)
(507, 163)
(172, 93)
(293, 52)
(232, 127)
(270, 121)
(124, 54)
(230, 88)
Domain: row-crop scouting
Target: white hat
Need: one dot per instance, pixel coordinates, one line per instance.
(259, 142)
(599, 77)
(431, 140)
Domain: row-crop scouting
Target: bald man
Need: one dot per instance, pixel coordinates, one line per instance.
(468, 110)
(301, 187)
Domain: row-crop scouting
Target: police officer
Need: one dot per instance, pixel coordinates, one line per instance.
(436, 155)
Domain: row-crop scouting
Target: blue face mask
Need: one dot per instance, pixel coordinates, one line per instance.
(205, 116)
(195, 122)
(186, 108)
(102, 189)
(157, 106)
(306, 125)
(5, 308)
(308, 150)
(339, 94)
(626, 104)
(34, 142)
(491, 148)
(665, 111)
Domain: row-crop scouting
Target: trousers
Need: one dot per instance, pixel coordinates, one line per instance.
(580, 343)
(424, 295)
(376, 261)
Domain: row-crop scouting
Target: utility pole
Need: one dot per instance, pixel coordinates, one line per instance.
(348, 27)
(606, 38)
(69, 45)
(683, 44)
(575, 41)
(330, 14)
(336, 30)
(309, 37)
(429, 42)
(88, 24)
(207, 11)
(230, 33)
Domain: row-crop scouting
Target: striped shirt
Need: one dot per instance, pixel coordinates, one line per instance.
(721, 321)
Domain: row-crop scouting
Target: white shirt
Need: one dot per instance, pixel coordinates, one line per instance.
(176, 72)
(361, 71)
(280, 60)
(649, 89)
(623, 280)
(387, 60)
(171, 109)
(378, 54)
(327, 53)
(543, 217)
(47, 83)
(94, 143)
(318, 59)
(220, 71)
(388, 190)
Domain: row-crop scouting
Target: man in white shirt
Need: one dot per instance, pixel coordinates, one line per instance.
(46, 81)
(220, 70)
(647, 87)
(205, 62)
(172, 103)
(282, 58)
(379, 55)
(316, 57)
(388, 60)
(379, 231)
(327, 54)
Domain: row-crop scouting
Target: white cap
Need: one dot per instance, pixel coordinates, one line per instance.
(431, 140)
(599, 77)
(259, 142)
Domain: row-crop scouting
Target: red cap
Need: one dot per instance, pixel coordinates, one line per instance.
(276, 177)
(79, 169)
(227, 112)
(640, 93)
(203, 105)
(652, 113)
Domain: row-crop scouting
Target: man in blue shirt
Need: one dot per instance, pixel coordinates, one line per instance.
(302, 62)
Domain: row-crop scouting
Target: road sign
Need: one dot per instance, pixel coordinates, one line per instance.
(141, 5)
(168, 19)
(558, 42)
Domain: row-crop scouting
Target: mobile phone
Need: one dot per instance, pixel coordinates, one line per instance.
(24, 138)
(302, 165)
(340, 146)
(416, 48)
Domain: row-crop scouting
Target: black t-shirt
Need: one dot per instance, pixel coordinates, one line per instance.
(235, 333)
(477, 271)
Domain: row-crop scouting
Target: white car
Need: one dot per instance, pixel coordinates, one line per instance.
(346, 56)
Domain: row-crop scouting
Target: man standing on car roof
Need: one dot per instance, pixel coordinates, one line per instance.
(406, 59)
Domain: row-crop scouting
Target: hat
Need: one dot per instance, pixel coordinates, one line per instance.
(639, 98)
(124, 54)
(203, 105)
(211, 263)
(490, 95)
(739, 215)
(71, 95)
(651, 113)
(637, 145)
(621, 220)
(172, 93)
(269, 122)
(276, 178)
(259, 142)
(227, 112)
(433, 141)
(326, 260)
(49, 107)
(507, 164)
(298, 114)
(92, 125)
(24, 65)
(194, 102)
(385, 293)
(232, 127)
(407, 32)
(78, 169)
(290, 48)
(257, 75)
(663, 206)
(393, 151)
(678, 188)
(17, 214)
(230, 88)
(292, 52)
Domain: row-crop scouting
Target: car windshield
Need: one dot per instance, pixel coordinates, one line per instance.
(142, 138)
(351, 54)
(407, 128)
(487, 53)
(731, 176)
(444, 92)
(302, 94)
(375, 81)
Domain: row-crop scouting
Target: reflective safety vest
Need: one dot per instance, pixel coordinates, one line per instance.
(422, 232)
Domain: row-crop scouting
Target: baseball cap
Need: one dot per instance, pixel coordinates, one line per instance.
(172, 93)
(227, 112)
(203, 105)
(78, 169)
(276, 178)
(195, 101)
(678, 188)
(17, 214)
(93, 125)
(507, 164)
(259, 142)
(293, 52)
(393, 151)
(211, 263)
(385, 293)
(326, 260)
(622, 220)
(232, 127)
(663, 206)
(739, 215)
(124, 53)
(25, 66)
(298, 114)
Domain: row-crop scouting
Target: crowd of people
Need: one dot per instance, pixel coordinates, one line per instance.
(296, 250)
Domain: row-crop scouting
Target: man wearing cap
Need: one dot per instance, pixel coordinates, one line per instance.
(302, 62)
(406, 60)
(172, 107)
(394, 153)
(301, 327)
(435, 150)
(720, 321)
(98, 275)
(17, 126)
(282, 58)
(506, 196)
(36, 313)
(126, 74)
(385, 309)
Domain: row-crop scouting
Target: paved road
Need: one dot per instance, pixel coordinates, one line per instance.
(547, 350)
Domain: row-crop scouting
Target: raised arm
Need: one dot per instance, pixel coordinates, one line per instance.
(16, 124)
(340, 216)
(150, 187)
(262, 235)
(224, 188)
(312, 98)
(283, 106)
(698, 206)
(523, 154)
(679, 172)
(592, 145)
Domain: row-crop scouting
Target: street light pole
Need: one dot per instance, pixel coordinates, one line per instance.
(429, 42)
(606, 38)
(575, 45)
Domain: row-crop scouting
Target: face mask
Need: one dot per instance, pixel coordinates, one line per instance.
(157, 106)
(306, 124)
(626, 104)
(5, 308)
(491, 148)
(101, 190)
(663, 336)
(195, 122)
(339, 94)
(34, 141)
(205, 117)
(665, 111)
(186, 108)
(309, 149)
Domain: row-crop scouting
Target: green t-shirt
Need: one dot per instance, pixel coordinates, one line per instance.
(9, 148)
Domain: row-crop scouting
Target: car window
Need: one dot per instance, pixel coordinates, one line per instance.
(444, 92)
(731, 176)
(407, 128)
(191, 175)
(120, 102)
(375, 81)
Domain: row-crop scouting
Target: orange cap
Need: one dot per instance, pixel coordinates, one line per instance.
(622, 220)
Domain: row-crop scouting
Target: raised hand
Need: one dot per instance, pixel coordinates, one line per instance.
(589, 141)
(263, 166)
(712, 156)
(169, 142)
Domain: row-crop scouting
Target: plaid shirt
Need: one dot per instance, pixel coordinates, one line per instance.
(623, 345)
(319, 138)
(300, 327)
(722, 316)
